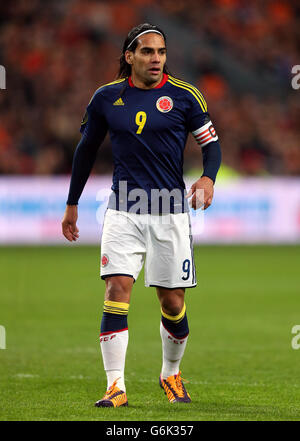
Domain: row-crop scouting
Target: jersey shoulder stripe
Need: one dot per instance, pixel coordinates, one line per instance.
(193, 90)
(108, 84)
(184, 83)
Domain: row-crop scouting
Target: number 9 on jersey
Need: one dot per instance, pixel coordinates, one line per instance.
(140, 120)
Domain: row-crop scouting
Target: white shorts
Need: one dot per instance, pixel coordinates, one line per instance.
(163, 242)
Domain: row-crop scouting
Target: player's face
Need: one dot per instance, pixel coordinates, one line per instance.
(148, 60)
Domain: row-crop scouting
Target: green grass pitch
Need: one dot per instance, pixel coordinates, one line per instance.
(239, 360)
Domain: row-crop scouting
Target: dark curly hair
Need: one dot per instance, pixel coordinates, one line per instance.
(125, 68)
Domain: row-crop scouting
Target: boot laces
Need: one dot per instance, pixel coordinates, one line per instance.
(111, 389)
(177, 384)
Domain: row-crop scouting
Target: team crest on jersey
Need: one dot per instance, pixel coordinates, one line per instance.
(164, 104)
(104, 260)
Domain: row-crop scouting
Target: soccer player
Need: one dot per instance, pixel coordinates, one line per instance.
(148, 114)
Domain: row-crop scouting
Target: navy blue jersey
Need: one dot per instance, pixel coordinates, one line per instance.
(148, 129)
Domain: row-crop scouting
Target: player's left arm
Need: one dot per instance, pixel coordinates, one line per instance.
(201, 126)
(203, 189)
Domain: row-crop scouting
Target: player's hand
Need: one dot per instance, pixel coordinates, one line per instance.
(69, 227)
(202, 192)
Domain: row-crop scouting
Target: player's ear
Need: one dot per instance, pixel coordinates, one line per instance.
(128, 57)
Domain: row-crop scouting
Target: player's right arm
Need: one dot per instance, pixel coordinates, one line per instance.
(93, 129)
(69, 227)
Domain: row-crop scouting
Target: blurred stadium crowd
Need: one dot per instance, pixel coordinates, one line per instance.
(56, 53)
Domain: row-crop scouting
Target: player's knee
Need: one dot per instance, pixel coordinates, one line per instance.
(118, 289)
(172, 304)
(172, 309)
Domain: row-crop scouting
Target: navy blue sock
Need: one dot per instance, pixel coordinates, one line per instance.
(113, 322)
(177, 329)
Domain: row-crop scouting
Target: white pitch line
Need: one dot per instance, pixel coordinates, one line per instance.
(26, 376)
(145, 380)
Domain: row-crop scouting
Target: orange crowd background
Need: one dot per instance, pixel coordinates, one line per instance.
(57, 53)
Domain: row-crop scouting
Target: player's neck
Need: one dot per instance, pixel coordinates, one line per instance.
(141, 84)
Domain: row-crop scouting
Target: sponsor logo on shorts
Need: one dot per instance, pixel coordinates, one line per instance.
(104, 260)
(164, 104)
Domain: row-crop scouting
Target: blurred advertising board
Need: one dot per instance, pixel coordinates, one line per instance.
(248, 210)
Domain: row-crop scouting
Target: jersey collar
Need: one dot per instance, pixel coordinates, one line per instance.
(163, 81)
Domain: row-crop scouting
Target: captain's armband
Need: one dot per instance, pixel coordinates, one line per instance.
(205, 134)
